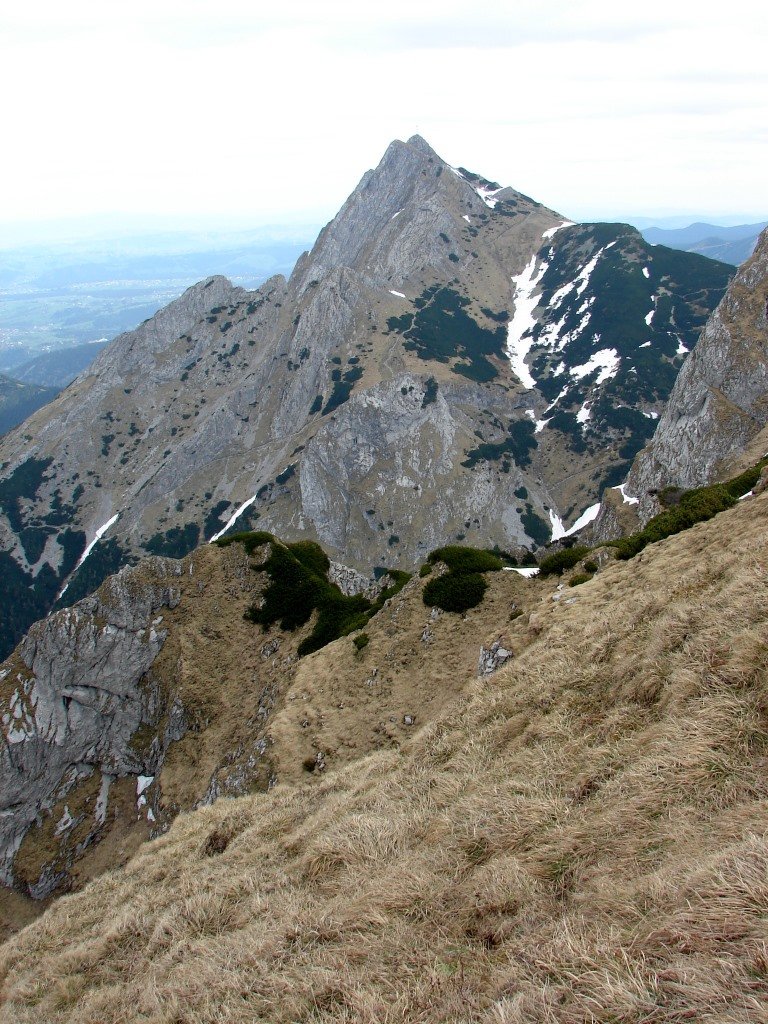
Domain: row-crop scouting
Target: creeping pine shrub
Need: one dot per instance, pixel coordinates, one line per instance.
(361, 640)
(691, 507)
(558, 562)
(462, 587)
(579, 577)
(299, 586)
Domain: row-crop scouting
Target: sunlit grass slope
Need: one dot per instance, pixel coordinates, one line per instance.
(584, 839)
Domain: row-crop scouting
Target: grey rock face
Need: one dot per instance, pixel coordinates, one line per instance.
(720, 398)
(72, 697)
(439, 367)
(492, 658)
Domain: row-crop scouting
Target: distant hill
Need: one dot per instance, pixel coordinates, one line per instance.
(19, 400)
(59, 368)
(727, 244)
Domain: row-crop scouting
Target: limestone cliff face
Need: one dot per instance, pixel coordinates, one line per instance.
(452, 360)
(719, 402)
(74, 694)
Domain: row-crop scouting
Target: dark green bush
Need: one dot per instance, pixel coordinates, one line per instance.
(579, 577)
(461, 559)
(311, 555)
(558, 562)
(462, 587)
(425, 570)
(691, 507)
(361, 640)
(591, 566)
(299, 585)
(455, 592)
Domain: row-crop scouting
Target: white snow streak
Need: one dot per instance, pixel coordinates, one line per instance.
(99, 534)
(466, 218)
(233, 519)
(587, 516)
(646, 344)
(558, 530)
(628, 499)
(582, 416)
(540, 424)
(649, 317)
(606, 360)
(646, 272)
(551, 231)
(486, 194)
(395, 214)
(400, 295)
(526, 571)
(681, 349)
(523, 320)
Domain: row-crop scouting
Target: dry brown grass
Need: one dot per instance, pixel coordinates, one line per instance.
(583, 837)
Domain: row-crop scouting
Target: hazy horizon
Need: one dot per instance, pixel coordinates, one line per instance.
(272, 113)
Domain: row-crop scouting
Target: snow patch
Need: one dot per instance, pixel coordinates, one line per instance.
(649, 317)
(586, 517)
(540, 424)
(526, 571)
(400, 295)
(651, 415)
(558, 530)
(396, 214)
(552, 231)
(523, 321)
(606, 360)
(99, 534)
(465, 217)
(143, 782)
(628, 499)
(233, 518)
(646, 272)
(487, 194)
(681, 349)
(582, 416)
(646, 344)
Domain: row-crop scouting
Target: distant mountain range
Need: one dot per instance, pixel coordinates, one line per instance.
(728, 244)
(452, 360)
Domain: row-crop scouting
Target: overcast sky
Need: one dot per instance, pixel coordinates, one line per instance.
(272, 111)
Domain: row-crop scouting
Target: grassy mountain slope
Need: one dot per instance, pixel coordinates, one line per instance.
(581, 837)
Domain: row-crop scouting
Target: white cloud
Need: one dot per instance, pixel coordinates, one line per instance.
(173, 107)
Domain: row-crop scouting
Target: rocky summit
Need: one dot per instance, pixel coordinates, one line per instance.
(452, 360)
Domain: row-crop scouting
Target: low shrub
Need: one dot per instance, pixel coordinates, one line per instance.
(462, 587)
(299, 585)
(361, 640)
(691, 507)
(558, 562)
(461, 559)
(579, 578)
(455, 592)
(425, 570)
(591, 566)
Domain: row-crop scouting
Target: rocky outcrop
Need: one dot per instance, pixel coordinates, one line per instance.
(72, 699)
(720, 398)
